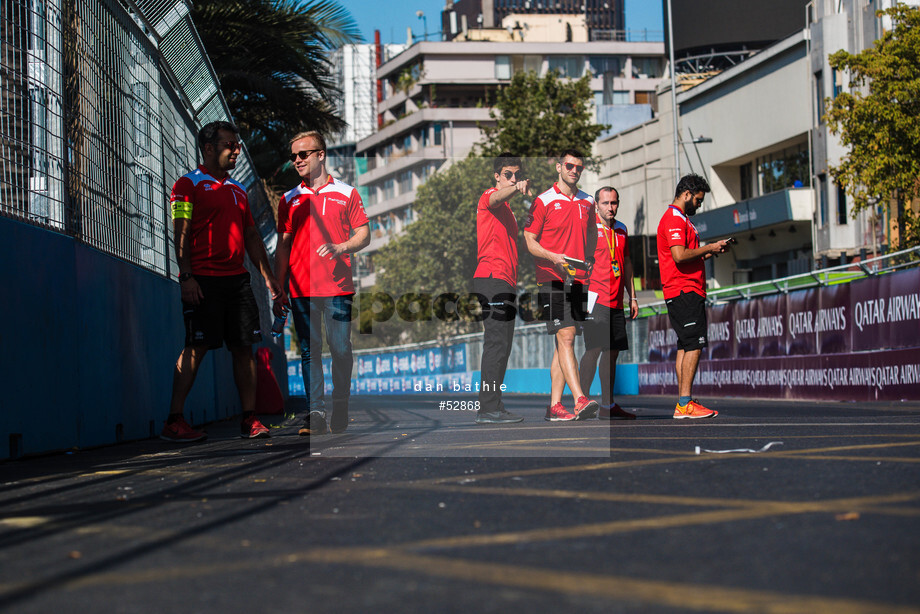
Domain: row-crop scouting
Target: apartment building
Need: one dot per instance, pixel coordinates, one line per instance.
(435, 96)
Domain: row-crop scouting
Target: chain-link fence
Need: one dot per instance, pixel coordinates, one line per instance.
(101, 102)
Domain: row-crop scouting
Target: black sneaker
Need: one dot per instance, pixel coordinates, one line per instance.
(315, 425)
(497, 417)
(339, 421)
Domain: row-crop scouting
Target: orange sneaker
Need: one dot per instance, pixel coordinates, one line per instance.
(558, 413)
(615, 412)
(693, 411)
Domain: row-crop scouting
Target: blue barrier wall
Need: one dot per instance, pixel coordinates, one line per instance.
(88, 345)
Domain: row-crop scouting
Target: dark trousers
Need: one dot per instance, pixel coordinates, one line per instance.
(498, 333)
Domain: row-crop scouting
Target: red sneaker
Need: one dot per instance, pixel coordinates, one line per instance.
(615, 412)
(585, 408)
(180, 431)
(251, 428)
(558, 413)
(693, 411)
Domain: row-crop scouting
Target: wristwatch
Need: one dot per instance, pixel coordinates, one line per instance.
(184, 277)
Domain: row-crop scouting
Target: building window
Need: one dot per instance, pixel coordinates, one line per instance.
(781, 170)
(502, 67)
(389, 188)
(423, 137)
(438, 130)
(649, 98)
(819, 95)
(747, 181)
(841, 205)
(407, 143)
(529, 63)
(646, 67)
(604, 64)
(822, 201)
(621, 97)
(570, 66)
(405, 182)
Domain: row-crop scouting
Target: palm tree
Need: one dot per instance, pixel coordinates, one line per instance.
(271, 57)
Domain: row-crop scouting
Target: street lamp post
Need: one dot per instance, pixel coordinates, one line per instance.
(674, 96)
(421, 15)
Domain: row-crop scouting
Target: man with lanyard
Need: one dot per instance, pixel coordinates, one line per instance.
(495, 280)
(213, 228)
(605, 326)
(556, 228)
(683, 278)
(320, 222)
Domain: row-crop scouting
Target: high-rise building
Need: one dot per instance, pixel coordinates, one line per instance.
(605, 19)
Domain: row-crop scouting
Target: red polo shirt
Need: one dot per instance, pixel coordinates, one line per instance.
(219, 213)
(315, 217)
(675, 228)
(560, 224)
(611, 243)
(496, 236)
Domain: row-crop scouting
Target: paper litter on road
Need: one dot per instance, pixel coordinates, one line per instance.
(742, 450)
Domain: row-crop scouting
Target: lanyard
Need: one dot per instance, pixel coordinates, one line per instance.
(611, 245)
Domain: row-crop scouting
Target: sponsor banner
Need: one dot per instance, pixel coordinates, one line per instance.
(866, 315)
(427, 370)
(886, 375)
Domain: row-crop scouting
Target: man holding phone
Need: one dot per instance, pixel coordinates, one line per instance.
(683, 279)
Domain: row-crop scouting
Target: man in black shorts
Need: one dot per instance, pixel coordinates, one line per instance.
(605, 326)
(214, 228)
(558, 227)
(683, 279)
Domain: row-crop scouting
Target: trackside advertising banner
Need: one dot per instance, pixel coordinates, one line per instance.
(856, 341)
(434, 369)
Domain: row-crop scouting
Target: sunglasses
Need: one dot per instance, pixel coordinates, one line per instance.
(519, 175)
(578, 167)
(303, 155)
(231, 145)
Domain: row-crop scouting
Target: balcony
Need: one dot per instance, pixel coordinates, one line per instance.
(789, 205)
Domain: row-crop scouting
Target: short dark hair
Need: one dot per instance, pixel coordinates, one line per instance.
(571, 152)
(506, 158)
(208, 133)
(692, 182)
(597, 195)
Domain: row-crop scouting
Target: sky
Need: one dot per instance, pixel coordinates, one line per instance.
(392, 17)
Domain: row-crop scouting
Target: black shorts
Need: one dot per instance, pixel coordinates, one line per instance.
(227, 314)
(564, 305)
(687, 313)
(605, 328)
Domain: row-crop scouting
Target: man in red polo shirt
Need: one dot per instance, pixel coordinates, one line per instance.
(320, 223)
(683, 278)
(605, 326)
(556, 228)
(213, 229)
(495, 281)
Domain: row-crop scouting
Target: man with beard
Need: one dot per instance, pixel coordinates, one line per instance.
(683, 279)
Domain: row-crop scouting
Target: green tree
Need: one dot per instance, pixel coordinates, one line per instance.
(271, 57)
(539, 117)
(881, 128)
(535, 118)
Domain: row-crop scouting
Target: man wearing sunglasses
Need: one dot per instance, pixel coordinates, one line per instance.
(213, 229)
(560, 225)
(495, 280)
(320, 222)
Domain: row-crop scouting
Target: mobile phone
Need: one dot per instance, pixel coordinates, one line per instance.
(578, 264)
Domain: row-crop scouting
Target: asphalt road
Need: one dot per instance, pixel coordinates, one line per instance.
(417, 509)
